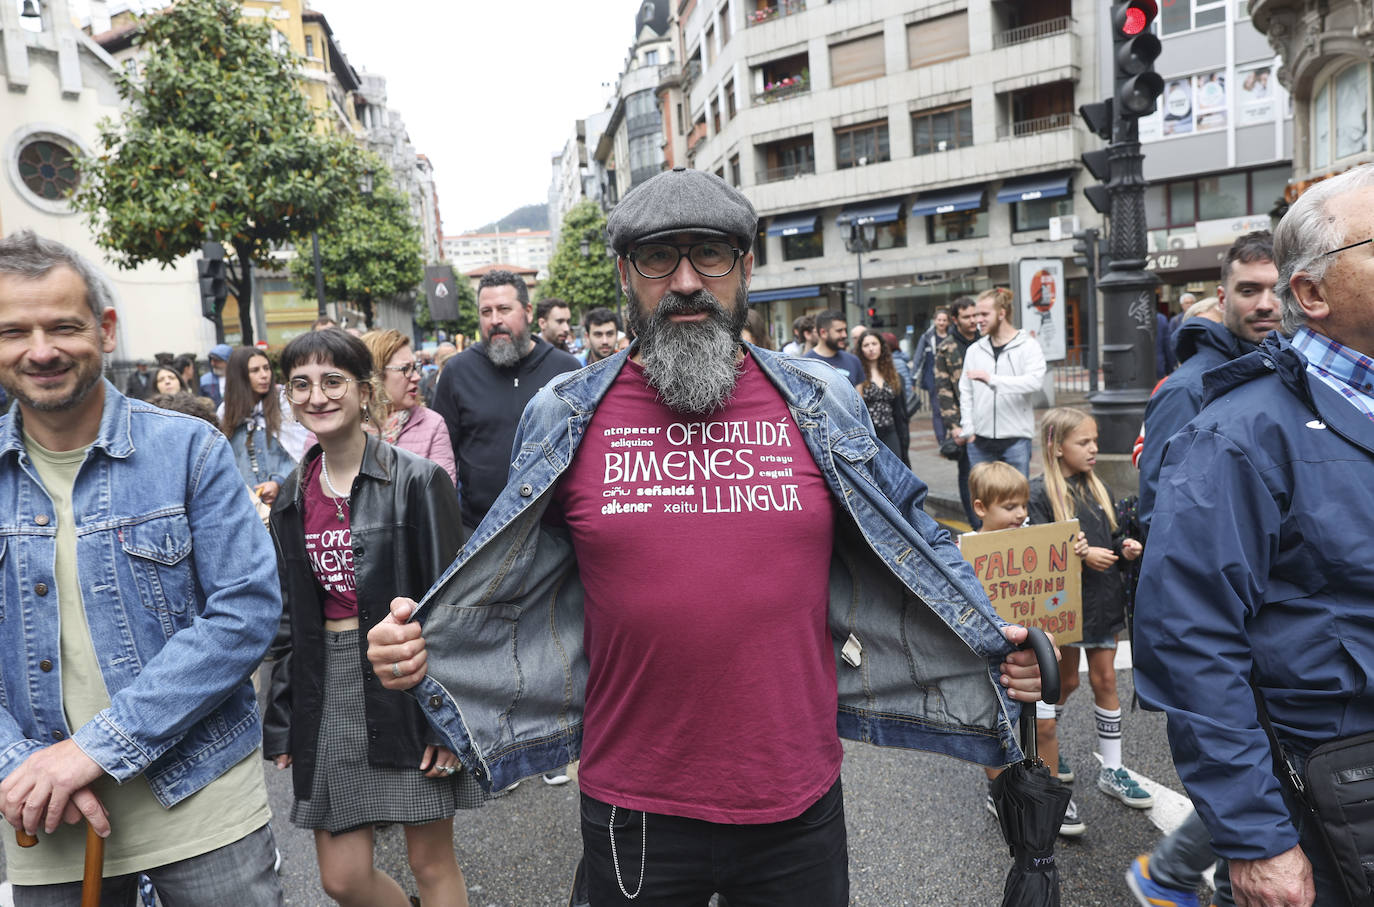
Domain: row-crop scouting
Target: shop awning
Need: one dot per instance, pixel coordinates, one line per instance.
(784, 293)
(793, 224)
(1029, 188)
(884, 211)
(963, 198)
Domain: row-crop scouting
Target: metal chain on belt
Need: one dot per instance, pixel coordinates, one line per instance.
(643, 853)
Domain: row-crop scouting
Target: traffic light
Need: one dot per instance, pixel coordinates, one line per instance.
(213, 287)
(1135, 48)
(1098, 164)
(873, 320)
(1085, 249)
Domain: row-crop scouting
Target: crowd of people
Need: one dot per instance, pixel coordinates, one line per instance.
(385, 526)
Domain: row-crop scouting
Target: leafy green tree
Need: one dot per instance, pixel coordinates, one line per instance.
(585, 281)
(215, 141)
(369, 253)
(466, 323)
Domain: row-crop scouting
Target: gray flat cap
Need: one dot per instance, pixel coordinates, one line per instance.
(678, 201)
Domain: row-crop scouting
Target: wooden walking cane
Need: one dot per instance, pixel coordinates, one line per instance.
(93, 876)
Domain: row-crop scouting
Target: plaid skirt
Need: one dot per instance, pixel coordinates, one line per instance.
(347, 792)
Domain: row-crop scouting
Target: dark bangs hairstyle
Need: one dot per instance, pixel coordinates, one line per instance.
(239, 398)
(329, 347)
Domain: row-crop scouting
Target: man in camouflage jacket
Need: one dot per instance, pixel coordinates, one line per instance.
(949, 365)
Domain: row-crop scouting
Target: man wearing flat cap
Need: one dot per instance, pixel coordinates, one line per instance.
(701, 559)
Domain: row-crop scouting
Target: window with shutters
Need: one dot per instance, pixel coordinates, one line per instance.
(857, 60)
(937, 40)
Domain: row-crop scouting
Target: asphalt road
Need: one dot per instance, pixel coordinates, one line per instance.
(918, 830)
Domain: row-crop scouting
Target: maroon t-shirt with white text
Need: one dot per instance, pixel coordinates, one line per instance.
(704, 546)
(329, 545)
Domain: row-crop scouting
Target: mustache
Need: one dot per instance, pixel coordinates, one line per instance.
(677, 304)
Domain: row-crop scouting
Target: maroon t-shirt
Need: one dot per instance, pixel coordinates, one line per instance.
(329, 545)
(704, 545)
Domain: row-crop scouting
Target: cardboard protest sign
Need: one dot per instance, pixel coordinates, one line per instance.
(1031, 576)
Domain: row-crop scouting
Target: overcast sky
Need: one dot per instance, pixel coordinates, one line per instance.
(489, 91)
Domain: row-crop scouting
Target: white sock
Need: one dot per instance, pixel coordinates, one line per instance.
(1108, 736)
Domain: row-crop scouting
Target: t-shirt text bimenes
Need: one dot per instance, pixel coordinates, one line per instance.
(704, 546)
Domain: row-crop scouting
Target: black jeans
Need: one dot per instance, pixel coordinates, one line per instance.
(800, 861)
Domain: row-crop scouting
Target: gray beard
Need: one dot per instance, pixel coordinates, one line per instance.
(506, 354)
(693, 366)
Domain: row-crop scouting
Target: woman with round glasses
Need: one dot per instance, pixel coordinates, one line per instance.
(251, 417)
(360, 521)
(401, 417)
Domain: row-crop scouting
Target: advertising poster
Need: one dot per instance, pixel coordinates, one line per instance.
(1178, 107)
(1031, 576)
(1209, 101)
(1255, 96)
(1041, 282)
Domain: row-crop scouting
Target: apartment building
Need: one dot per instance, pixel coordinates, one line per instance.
(1325, 50)
(1219, 149)
(523, 249)
(937, 138)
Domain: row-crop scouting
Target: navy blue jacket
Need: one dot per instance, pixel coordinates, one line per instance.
(1202, 345)
(1259, 565)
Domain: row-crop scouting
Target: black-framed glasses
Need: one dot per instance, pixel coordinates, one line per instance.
(333, 385)
(408, 369)
(1343, 248)
(656, 260)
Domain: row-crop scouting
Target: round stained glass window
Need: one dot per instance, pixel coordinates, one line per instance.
(48, 169)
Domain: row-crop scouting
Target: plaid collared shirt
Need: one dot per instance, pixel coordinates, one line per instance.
(1349, 373)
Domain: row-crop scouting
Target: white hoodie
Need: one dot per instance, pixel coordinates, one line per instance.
(1002, 407)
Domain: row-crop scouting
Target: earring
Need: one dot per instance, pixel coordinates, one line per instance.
(367, 413)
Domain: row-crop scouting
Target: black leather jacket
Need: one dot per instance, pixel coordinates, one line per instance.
(406, 530)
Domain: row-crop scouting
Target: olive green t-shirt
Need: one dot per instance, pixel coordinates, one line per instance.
(143, 834)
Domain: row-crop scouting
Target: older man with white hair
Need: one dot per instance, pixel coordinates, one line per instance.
(1258, 576)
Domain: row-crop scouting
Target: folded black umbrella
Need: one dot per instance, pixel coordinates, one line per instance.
(1031, 802)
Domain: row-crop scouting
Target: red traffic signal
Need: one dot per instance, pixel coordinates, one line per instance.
(1135, 17)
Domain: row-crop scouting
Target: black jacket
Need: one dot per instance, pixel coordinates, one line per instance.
(405, 533)
(1104, 592)
(482, 405)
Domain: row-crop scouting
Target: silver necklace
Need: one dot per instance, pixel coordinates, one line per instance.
(338, 498)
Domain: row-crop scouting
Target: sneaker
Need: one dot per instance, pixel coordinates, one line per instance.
(1118, 783)
(553, 779)
(992, 807)
(1152, 894)
(1072, 826)
(1065, 772)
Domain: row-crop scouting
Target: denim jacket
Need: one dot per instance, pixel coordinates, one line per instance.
(507, 670)
(179, 584)
(272, 462)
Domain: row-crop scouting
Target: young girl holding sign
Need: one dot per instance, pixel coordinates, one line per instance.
(1070, 490)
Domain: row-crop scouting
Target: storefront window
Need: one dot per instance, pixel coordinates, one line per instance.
(1036, 214)
(1221, 196)
(958, 225)
(1352, 110)
(1321, 127)
(803, 245)
(1181, 206)
(891, 235)
(1267, 188)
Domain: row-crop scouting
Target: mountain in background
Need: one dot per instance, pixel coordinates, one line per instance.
(528, 217)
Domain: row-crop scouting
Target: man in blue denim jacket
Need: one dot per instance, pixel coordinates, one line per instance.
(138, 592)
(702, 567)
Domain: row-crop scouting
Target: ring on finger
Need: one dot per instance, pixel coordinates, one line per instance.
(395, 669)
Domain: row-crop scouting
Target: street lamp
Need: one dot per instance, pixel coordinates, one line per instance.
(859, 239)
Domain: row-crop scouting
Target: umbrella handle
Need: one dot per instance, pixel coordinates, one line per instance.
(1038, 642)
(23, 838)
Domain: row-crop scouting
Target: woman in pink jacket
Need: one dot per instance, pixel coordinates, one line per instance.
(400, 416)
